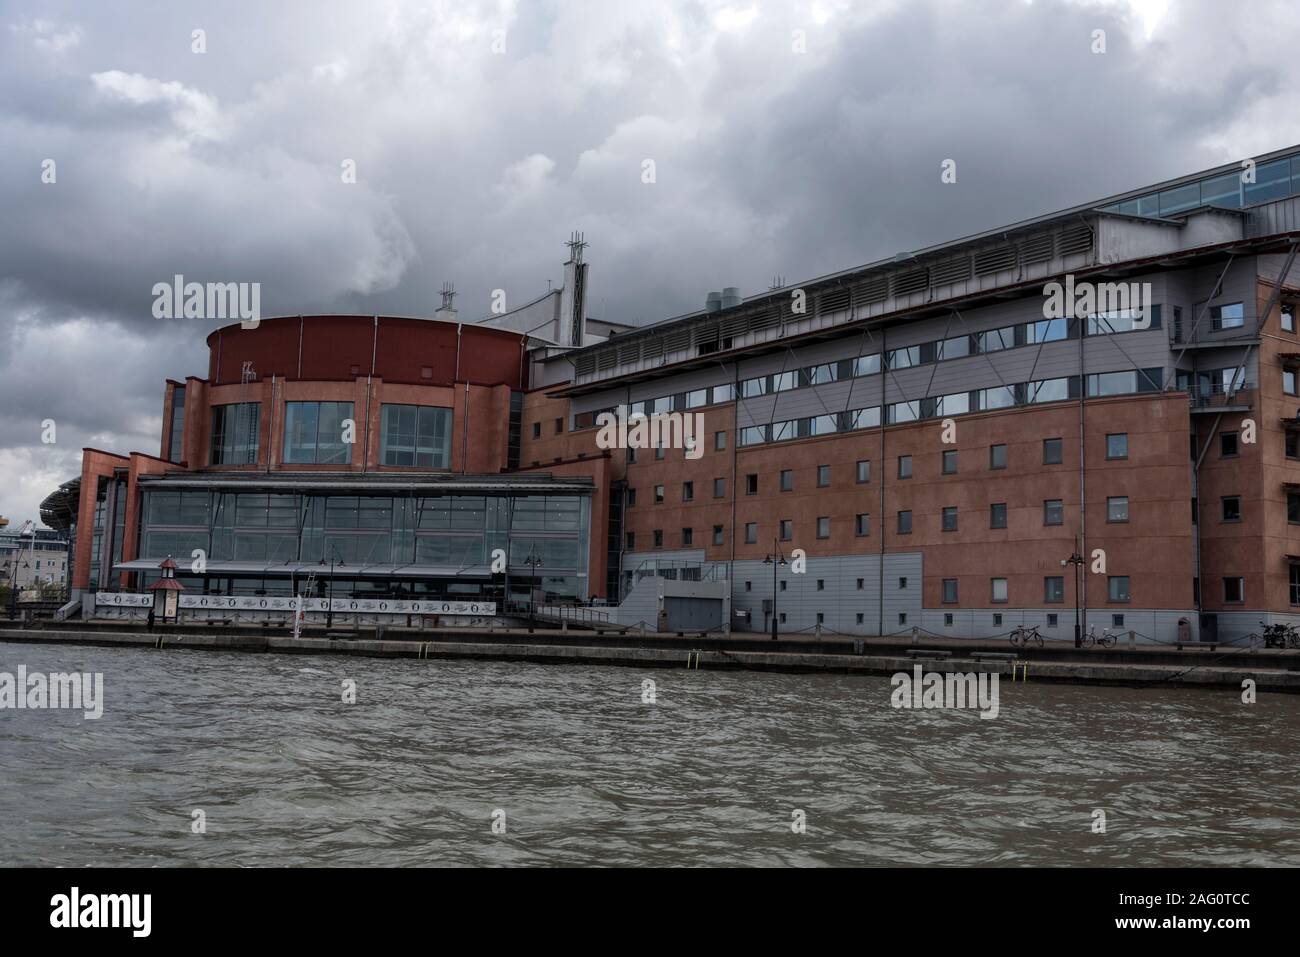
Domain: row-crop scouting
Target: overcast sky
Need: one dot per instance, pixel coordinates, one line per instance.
(792, 138)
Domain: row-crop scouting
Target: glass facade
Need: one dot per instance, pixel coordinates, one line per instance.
(1275, 179)
(416, 435)
(177, 423)
(370, 539)
(314, 432)
(234, 433)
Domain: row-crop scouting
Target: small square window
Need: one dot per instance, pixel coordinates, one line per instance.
(719, 441)
(717, 534)
(1117, 621)
(786, 529)
(1234, 590)
(787, 480)
(751, 533)
(1051, 451)
(821, 584)
(950, 590)
(1117, 445)
(783, 584)
(1288, 318)
(862, 524)
(782, 616)
(1053, 512)
(997, 456)
(902, 582)
(902, 618)
(904, 466)
(862, 583)
(824, 527)
(950, 518)
(1232, 508)
(1117, 508)
(1288, 381)
(749, 586)
(998, 590)
(719, 488)
(1051, 619)
(905, 523)
(998, 515)
(751, 484)
(864, 471)
(1117, 588)
(1227, 444)
(949, 461)
(1054, 588)
(947, 618)
(997, 619)
(821, 618)
(860, 617)
(823, 476)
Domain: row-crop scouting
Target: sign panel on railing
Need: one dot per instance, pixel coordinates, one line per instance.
(359, 606)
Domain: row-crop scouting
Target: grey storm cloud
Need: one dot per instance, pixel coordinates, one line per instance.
(792, 138)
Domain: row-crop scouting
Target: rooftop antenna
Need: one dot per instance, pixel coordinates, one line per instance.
(576, 245)
(448, 295)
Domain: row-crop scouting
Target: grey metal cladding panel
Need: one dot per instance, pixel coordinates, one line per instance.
(682, 382)
(1142, 349)
(598, 400)
(820, 352)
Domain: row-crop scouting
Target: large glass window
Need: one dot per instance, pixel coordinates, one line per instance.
(234, 433)
(313, 432)
(177, 424)
(416, 435)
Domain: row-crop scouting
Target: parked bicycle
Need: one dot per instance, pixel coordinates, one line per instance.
(1022, 636)
(1280, 635)
(1106, 639)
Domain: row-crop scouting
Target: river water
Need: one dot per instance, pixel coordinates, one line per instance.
(582, 771)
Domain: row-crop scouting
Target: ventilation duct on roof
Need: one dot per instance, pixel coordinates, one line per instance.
(713, 302)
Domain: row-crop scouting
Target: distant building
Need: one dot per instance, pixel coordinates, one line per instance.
(39, 557)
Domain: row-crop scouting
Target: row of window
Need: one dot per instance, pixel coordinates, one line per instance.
(323, 433)
(1274, 180)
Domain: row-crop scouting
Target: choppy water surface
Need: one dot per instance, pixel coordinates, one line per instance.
(586, 773)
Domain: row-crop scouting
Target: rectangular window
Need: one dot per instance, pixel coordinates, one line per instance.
(719, 441)
(823, 476)
(234, 433)
(905, 522)
(719, 488)
(1294, 582)
(998, 515)
(1288, 318)
(863, 471)
(949, 461)
(787, 480)
(659, 494)
(688, 536)
(997, 456)
(1051, 451)
(950, 518)
(559, 426)
(998, 590)
(631, 541)
(658, 538)
(1117, 588)
(631, 498)
(949, 590)
(787, 529)
(751, 533)
(1288, 381)
(1228, 445)
(863, 524)
(177, 424)
(751, 484)
(1054, 588)
(1292, 444)
(1231, 508)
(416, 435)
(904, 466)
(688, 491)
(537, 430)
(1117, 445)
(1053, 512)
(1234, 590)
(1228, 316)
(717, 534)
(824, 526)
(1117, 508)
(1293, 508)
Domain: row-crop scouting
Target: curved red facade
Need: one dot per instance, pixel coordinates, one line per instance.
(396, 349)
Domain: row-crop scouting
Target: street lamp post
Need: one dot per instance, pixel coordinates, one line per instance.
(329, 607)
(776, 559)
(534, 562)
(1076, 560)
